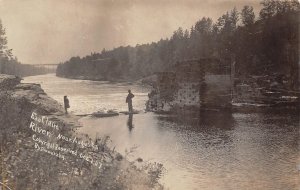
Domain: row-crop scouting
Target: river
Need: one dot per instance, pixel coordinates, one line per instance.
(215, 151)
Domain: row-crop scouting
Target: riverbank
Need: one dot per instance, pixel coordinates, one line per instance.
(24, 167)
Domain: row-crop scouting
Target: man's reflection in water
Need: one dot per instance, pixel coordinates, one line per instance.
(129, 122)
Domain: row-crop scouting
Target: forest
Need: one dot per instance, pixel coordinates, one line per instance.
(259, 44)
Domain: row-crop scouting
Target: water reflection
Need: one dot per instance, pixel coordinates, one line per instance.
(129, 122)
(201, 120)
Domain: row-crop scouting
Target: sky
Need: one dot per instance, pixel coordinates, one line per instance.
(52, 31)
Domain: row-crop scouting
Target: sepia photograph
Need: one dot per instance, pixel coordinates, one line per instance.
(149, 95)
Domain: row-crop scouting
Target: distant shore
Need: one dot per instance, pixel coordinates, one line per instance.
(148, 80)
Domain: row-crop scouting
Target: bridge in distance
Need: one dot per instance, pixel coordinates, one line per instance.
(47, 66)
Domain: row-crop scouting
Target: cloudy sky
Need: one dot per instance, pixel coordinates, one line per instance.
(51, 31)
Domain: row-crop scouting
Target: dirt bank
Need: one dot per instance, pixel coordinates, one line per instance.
(25, 166)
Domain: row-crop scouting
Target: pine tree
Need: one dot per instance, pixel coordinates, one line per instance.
(248, 16)
(4, 51)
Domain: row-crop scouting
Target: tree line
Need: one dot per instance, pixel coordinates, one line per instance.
(263, 45)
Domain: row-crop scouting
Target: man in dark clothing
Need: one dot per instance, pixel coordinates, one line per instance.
(66, 104)
(129, 101)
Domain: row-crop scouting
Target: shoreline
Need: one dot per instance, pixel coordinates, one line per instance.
(27, 168)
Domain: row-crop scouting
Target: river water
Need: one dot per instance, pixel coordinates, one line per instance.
(214, 151)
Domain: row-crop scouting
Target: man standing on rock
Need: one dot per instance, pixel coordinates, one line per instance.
(66, 104)
(129, 101)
